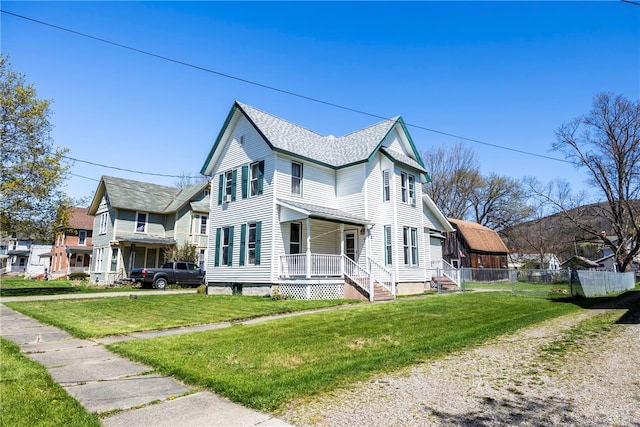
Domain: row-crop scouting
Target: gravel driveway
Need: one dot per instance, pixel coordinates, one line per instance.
(514, 379)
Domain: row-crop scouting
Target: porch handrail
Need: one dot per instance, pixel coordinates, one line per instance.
(359, 276)
(382, 276)
(322, 265)
(451, 272)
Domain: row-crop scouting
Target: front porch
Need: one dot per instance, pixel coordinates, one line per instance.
(327, 276)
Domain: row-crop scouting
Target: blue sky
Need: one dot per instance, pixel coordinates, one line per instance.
(504, 73)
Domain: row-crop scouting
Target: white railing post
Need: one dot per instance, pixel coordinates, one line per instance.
(308, 272)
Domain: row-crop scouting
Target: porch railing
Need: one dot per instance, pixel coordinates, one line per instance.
(451, 272)
(322, 265)
(382, 276)
(325, 266)
(359, 276)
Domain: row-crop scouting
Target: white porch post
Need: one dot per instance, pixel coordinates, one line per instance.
(342, 249)
(308, 248)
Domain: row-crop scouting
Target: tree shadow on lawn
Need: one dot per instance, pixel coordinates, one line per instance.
(519, 410)
(629, 300)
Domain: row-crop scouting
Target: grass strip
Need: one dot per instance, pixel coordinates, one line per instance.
(18, 286)
(263, 366)
(92, 318)
(29, 397)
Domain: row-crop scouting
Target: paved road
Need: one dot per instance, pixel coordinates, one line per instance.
(104, 382)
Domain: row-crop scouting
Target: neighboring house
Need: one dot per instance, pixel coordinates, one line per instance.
(478, 249)
(135, 222)
(312, 216)
(547, 261)
(26, 256)
(71, 251)
(474, 246)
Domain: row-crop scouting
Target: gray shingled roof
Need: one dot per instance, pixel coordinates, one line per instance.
(402, 158)
(330, 150)
(322, 212)
(143, 196)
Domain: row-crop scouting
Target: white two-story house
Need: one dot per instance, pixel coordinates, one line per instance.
(312, 216)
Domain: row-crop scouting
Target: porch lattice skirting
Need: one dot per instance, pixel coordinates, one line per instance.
(311, 291)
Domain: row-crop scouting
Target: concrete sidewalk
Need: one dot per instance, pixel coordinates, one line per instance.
(104, 382)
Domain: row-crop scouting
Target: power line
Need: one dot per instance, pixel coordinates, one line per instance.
(127, 170)
(264, 86)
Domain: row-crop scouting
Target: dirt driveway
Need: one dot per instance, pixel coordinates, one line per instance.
(577, 370)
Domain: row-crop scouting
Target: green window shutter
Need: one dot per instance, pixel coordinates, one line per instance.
(234, 175)
(230, 263)
(220, 184)
(245, 178)
(258, 239)
(260, 176)
(243, 237)
(216, 259)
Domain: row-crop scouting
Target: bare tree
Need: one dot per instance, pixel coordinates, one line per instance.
(606, 143)
(499, 202)
(455, 175)
(186, 180)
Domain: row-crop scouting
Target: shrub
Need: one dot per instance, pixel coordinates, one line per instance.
(78, 276)
(202, 289)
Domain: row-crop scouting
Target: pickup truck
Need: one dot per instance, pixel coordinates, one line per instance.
(178, 272)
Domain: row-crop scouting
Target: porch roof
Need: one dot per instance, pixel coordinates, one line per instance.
(78, 249)
(144, 239)
(323, 212)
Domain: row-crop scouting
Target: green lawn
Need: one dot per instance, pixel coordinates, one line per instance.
(30, 398)
(536, 290)
(265, 365)
(18, 286)
(86, 318)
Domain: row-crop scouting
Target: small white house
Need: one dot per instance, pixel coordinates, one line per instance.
(26, 257)
(313, 216)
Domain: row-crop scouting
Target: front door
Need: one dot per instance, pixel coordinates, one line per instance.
(350, 245)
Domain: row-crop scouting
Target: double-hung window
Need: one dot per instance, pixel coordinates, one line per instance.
(412, 189)
(386, 186)
(141, 222)
(224, 246)
(296, 178)
(227, 186)
(252, 179)
(200, 224)
(410, 245)
(82, 237)
(257, 176)
(408, 183)
(104, 219)
(388, 248)
(250, 243)
(295, 238)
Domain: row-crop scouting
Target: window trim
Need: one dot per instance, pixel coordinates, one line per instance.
(104, 220)
(295, 178)
(82, 237)
(299, 242)
(388, 245)
(137, 223)
(410, 246)
(386, 185)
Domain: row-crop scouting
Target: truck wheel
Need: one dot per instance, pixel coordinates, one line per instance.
(160, 283)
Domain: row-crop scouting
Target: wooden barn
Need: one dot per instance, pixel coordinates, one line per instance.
(472, 245)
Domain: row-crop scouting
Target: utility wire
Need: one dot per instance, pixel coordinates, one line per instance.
(264, 86)
(127, 170)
